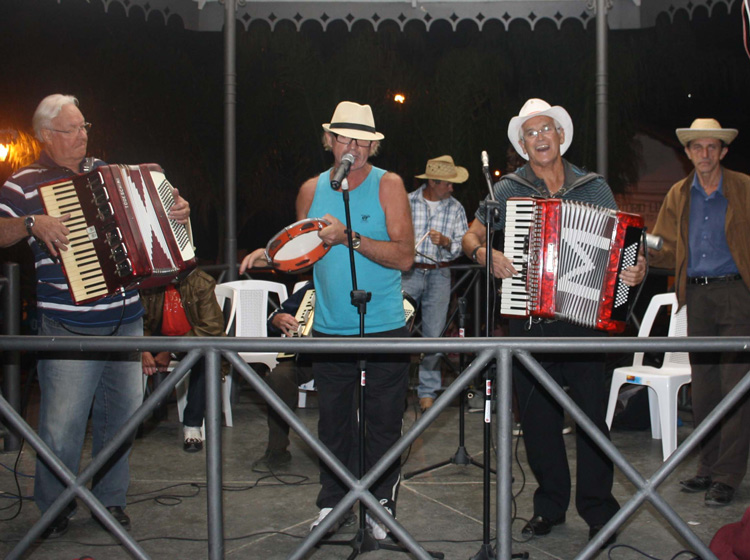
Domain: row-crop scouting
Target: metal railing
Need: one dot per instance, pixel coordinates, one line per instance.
(501, 351)
(10, 295)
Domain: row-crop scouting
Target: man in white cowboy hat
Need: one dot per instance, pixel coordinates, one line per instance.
(541, 134)
(383, 246)
(439, 225)
(703, 222)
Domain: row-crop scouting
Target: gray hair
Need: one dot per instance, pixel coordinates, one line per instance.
(47, 110)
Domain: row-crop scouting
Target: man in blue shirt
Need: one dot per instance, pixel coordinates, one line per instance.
(382, 246)
(703, 222)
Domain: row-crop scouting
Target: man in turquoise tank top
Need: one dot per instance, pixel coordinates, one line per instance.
(383, 243)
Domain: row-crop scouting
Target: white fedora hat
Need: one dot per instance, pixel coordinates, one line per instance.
(535, 108)
(353, 120)
(706, 128)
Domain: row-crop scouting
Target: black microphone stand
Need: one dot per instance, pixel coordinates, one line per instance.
(363, 541)
(485, 551)
(492, 210)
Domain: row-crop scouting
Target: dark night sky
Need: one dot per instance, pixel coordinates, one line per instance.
(155, 93)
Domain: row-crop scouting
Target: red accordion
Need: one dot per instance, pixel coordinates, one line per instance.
(570, 256)
(120, 236)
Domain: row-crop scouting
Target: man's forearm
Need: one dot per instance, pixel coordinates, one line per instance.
(12, 230)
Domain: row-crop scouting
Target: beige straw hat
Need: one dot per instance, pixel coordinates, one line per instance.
(706, 128)
(443, 169)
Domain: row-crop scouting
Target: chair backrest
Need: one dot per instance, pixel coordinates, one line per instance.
(677, 328)
(251, 303)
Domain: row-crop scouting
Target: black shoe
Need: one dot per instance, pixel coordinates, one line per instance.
(271, 461)
(594, 530)
(60, 525)
(696, 484)
(192, 445)
(719, 495)
(539, 526)
(120, 516)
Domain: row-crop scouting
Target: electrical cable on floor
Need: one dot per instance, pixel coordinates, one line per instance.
(690, 553)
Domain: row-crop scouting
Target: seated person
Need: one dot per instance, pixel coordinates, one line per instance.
(285, 378)
(184, 308)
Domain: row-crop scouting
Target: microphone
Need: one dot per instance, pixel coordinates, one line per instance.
(486, 171)
(342, 171)
(485, 161)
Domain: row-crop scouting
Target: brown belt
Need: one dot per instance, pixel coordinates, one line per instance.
(425, 266)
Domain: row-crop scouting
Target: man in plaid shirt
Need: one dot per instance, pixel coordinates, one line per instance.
(439, 224)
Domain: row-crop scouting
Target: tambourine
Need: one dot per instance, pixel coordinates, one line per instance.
(297, 247)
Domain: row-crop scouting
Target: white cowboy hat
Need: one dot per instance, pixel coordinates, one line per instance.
(353, 120)
(535, 108)
(706, 128)
(443, 169)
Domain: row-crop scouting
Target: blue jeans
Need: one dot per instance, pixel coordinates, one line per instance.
(431, 288)
(70, 382)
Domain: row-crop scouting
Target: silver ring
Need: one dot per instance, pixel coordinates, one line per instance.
(56, 241)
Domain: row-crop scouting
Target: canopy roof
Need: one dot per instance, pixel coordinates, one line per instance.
(208, 15)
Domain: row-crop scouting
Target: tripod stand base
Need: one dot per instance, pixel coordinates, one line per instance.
(460, 457)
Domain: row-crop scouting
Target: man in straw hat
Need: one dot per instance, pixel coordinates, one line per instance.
(703, 222)
(439, 225)
(541, 134)
(383, 244)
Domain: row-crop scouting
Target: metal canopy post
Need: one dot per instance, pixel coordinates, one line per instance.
(230, 137)
(601, 88)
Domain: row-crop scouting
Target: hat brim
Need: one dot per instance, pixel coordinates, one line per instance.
(460, 177)
(353, 133)
(687, 135)
(557, 113)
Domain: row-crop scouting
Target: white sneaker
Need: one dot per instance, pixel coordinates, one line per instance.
(190, 432)
(321, 516)
(379, 530)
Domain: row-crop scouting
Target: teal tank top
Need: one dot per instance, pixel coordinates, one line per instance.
(334, 313)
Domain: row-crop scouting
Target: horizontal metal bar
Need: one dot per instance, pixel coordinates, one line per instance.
(354, 345)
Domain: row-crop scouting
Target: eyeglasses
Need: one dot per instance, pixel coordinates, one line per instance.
(346, 140)
(85, 127)
(531, 134)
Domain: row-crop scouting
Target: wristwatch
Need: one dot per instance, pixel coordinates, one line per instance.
(474, 253)
(29, 221)
(356, 241)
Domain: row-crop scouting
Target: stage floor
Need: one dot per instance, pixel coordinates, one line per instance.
(265, 515)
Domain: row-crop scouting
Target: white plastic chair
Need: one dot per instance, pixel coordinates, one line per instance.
(248, 314)
(664, 382)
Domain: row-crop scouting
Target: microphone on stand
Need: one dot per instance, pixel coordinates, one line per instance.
(486, 171)
(341, 171)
